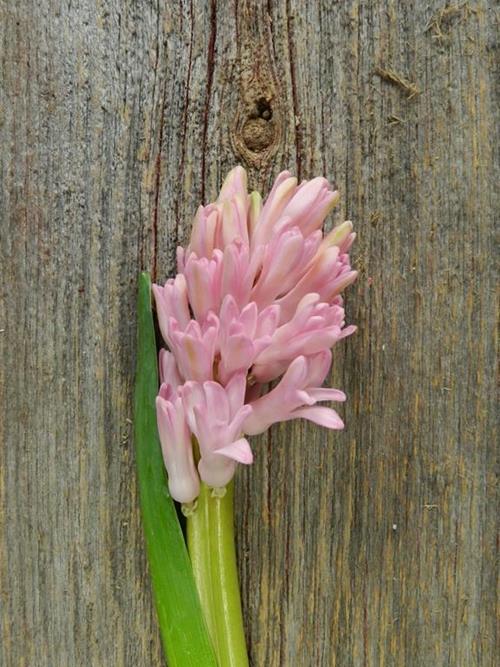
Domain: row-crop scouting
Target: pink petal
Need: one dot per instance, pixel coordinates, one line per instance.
(216, 402)
(166, 392)
(311, 203)
(235, 427)
(169, 373)
(339, 284)
(171, 302)
(296, 374)
(338, 234)
(237, 274)
(234, 222)
(323, 394)
(216, 471)
(238, 451)
(248, 318)
(269, 371)
(237, 354)
(282, 256)
(254, 210)
(183, 481)
(320, 415)
(347, 331)
(204, 282)
(235, 390)
(234, 184)
(268, 320)
(318, 367)
(317, 278)
(281, 193)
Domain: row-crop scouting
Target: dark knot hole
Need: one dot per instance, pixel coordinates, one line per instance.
(264, 109)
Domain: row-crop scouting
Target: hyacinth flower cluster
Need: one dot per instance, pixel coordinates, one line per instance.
(249, 321)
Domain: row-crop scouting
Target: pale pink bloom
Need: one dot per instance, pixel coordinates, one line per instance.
(234, 222)
(254, 211)
(310, 204)
(305, 206)
(194, 347)
(315, 326)
(235, 185)
(216, 225)
(341, 236)
(204, 235)
(328, 274)
(282, 191)
(169, 373)
(243, 335)
(215, 415)
(295, 396)
(172, 301)
(204, 283)
(175, 438)
(237, 272)
(285, 259)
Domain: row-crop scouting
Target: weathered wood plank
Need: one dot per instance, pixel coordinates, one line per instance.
(375, 546)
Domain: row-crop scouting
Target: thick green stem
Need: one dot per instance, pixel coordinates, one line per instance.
(200, 554)
(213, 555)
(231, 646)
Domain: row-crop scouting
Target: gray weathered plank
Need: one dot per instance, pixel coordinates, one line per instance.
(375, 546)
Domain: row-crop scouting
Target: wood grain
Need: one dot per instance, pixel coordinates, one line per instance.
(375, 546)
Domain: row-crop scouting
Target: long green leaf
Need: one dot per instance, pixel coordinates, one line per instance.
(182, 626)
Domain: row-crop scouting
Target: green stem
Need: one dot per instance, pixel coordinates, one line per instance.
(199, 552)
(226, 591)
(211, 546)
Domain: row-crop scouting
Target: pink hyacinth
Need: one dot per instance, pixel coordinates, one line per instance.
(296, 396)
(216, 415)
(257, 297)
(175, 437)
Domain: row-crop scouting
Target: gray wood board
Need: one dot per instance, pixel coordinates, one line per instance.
(374, 546)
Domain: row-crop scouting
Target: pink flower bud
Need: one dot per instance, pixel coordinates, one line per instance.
(316, 326)
(204, 282)
(194, 348)
(171, 301)
(242, 336)
(175, 438)
(215, 415)
(169, 373)
(310, 205)
(295, 397)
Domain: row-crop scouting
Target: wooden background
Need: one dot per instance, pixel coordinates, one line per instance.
(375, 546)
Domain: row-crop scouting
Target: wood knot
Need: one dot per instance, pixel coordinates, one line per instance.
(259, 116)
(257, 133)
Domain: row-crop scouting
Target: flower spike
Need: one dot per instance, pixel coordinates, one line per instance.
(257, 298)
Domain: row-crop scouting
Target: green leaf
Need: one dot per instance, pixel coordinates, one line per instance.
(182, 626)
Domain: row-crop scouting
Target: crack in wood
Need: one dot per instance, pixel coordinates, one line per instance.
(210, 76)
(293, 83)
